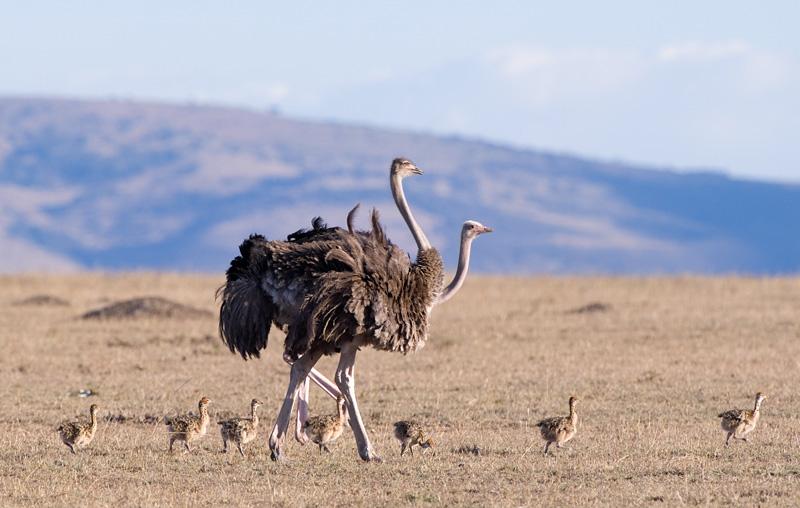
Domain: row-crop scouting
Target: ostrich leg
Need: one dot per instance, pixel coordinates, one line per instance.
(323, 382)
(302, 399)
(299, 372)
(302, 412)
(345, 379)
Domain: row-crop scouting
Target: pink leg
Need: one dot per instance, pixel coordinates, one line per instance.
(321, 381)
(299, 372)
(324, 383)
(302, 399)
(345, 379)
(302, 413)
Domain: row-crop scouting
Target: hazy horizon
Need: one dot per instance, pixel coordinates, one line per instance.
(709, 87)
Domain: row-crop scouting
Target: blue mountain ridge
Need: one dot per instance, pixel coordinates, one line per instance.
(124, 185)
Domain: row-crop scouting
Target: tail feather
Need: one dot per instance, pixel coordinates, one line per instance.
(377, 228)
(351, 217)
(246, 313)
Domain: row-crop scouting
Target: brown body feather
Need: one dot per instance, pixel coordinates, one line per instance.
(79, 434)
(188, 428)
(326, 429)
(382, 297)
(559, 429)
(740, 422)
(411, 433)
(240, 431)
(327, 287)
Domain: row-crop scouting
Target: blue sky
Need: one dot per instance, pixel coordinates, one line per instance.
(709, 85)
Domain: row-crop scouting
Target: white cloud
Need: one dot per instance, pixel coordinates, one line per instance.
(756, 69)
(17, 202)
(694, 51)
(22, 256)
(544, 75)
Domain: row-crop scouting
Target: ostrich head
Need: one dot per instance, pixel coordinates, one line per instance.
(204, 402)
(256, 403)
(93, 409)
(573, 401)
(403, 167)
(760, 397)
(472, 228)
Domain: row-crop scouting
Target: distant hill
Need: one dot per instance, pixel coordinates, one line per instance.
(126, 185)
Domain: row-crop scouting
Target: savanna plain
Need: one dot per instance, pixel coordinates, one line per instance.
(653, 361)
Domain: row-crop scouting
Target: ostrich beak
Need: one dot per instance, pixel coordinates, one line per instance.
(417, 171)
(487, 229)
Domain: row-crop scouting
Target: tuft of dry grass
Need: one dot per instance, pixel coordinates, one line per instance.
(653, 368)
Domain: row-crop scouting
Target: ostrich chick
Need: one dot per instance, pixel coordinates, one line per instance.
(559, 429)
(740, 422)
(79, 434)
(188, 428)
(326, 429)
(240, 430)
(410, 433)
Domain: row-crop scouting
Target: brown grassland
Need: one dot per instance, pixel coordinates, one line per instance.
(653, 368)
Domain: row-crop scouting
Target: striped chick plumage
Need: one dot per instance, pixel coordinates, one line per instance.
(740, 422)
(326, 429)
(188, 428)
(559, 429)
(240, 431)
(79, 434)
(410, 433)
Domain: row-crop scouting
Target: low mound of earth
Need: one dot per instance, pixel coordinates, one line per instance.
(42, 301)
(147, 307)
(591, 308)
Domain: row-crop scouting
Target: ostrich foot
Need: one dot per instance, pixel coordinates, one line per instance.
(276, 455)
(301, 438)
(369, 456)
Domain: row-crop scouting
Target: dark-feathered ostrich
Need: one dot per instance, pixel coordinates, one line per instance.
(334, 291)
(469, 231)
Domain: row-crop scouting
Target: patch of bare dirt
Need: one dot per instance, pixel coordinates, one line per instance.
(147, 307)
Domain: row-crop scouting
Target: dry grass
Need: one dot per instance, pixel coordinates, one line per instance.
(653, 364)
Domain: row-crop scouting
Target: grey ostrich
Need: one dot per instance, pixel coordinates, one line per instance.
(328, 289)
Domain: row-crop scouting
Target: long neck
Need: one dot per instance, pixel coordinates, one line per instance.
(93, 419)
(396, 184)
(572, 414)
(203, 414)
(461, 272)
(253, 415)
(757, 406)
